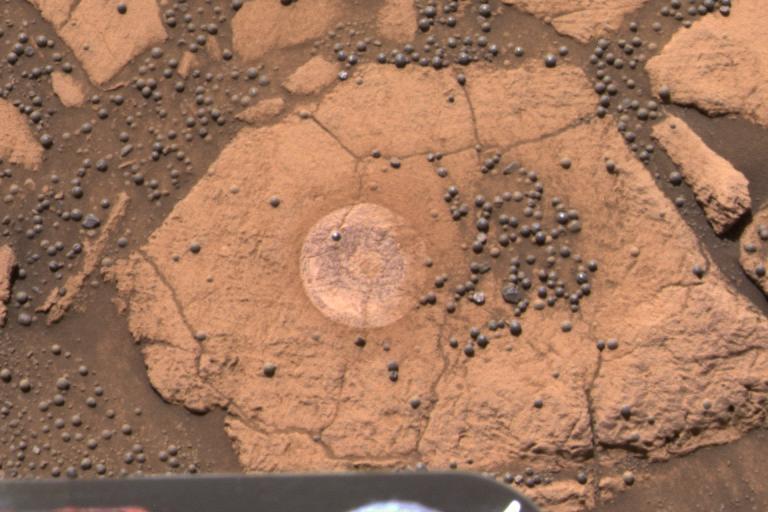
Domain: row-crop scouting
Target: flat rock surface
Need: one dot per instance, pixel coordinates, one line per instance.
(581, 19)
(685, 362)
(105, 40)
(278, 26)
(7, 262)
(311, 76)
(17, 145)
(720, 65)
(396, 20)
(721, 190)
(754, 248)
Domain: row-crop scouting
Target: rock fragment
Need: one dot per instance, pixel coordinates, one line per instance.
(580, 19)
(754, 249)
(263, 25)
(56, 305)
(720, 64)
(264, 110)
(70, 91)
(721, 190)
(7, 262)
(105, 40)
(55, 11)
(311, 76)
(17, 145)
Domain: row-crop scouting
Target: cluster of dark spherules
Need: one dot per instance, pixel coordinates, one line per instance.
(517, 238)
(677, 9)
(142, 134)
(437, 51)
(60, 437)
(614, 64)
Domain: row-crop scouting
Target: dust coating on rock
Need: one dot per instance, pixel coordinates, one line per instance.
(17, 145)
(70, 91)
(311, 76)
(7, 262)
(104, 41)
(754, 248)
(719, 65)
(263, 25)
(721, 190)
(396, 20)
(359, 266)
(689, 374)
(581, 19)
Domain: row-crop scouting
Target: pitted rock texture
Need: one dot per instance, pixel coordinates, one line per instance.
(103, 40)
(720, 65)
(17, 145)
(263, 25)
(581, 19)
(721, 190)
(754, 248)
(690, 362)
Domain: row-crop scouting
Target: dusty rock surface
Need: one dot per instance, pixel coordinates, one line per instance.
(581, 19)
(397, 20)
(721, 189)
(17, 145)
(311, 76)
(687, 368)
(7, 262)
(105, 40)
(720, 65)
(278, 26)
(69, 90)
(754, 248)
(262, 111)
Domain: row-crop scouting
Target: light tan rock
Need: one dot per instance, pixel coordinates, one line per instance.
(105, 41)
(69, 90)
(330, 403)
(720, 65)
(581, 19)
(563, 496)
(754, 248)
(414, 100)
(397, 20)
(17, 145)
(721, 190)
(187, 63)
(311, 76)
(262, 111)
(262, 25)
(7, 262)
(517, 119)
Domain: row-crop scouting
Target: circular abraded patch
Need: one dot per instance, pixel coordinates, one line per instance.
(360, 266)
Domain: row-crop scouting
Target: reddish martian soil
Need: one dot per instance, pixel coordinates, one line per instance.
(486, 236)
